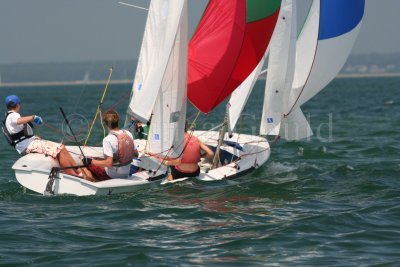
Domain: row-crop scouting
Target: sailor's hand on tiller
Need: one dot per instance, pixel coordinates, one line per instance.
(87, 161)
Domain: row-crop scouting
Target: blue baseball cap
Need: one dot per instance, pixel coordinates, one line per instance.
(12, 99)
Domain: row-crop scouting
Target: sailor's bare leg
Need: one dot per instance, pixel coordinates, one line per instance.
(87, 175)
(65, 159)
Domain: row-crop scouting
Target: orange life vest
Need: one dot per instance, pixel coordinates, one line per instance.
(191, 152)
(126, 149)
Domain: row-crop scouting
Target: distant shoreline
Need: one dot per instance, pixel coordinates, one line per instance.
(368, 75)
(69, 83)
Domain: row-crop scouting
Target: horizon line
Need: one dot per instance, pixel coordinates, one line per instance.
(130, 81)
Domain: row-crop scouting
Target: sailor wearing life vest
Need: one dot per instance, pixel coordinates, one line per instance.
(19, 134)
(118, 150)
(188, 164)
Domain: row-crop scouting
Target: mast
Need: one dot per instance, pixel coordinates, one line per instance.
(221, 137)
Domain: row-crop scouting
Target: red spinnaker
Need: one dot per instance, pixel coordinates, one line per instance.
(225, 49)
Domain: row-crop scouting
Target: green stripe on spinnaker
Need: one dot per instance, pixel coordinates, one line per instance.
(260, 9)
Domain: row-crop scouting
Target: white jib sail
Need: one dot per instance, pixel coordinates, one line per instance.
(295, 126)
(163, 22)
(240, 96)
(280, 69)
(169, 114)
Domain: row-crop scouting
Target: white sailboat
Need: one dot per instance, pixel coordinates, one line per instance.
(216, 68)
(166, 26)
(241, 153)
(86, 78)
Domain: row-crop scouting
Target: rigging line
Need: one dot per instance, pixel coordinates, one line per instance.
(112, 107)
(191, 127)
(130, 5)
(304, 86)
(186, 144)
(52, 128)
(99, 107)
(148, 132)
(55, 130)
(211, 130)
(164, 158)
(309, 74)
(102, 124)
(72, 132)
(38, 134)
(125, 97)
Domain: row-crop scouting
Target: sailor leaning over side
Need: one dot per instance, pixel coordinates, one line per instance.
(18, 131)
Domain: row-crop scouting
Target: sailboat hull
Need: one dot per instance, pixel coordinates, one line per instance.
(251, 152)
(37, 179)
(32, 172)
(243, 154)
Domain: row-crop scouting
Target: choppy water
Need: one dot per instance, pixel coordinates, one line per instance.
(333, 200)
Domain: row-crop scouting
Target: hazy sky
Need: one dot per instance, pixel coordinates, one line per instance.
(90, 30)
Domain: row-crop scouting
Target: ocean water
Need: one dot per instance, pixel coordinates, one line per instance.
(333, 200)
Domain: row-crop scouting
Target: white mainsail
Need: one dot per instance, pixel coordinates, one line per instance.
(163, 22)
(280, 69)
(169, 114)
(159, 89)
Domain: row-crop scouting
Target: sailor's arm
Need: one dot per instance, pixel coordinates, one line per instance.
(208, 152)
(107, 162)
(25, 120)
(166, 160)
(172, 162)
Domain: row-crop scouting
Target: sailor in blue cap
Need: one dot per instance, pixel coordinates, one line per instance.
(18, 131)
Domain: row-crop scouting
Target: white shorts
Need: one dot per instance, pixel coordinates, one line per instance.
(44, 147)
